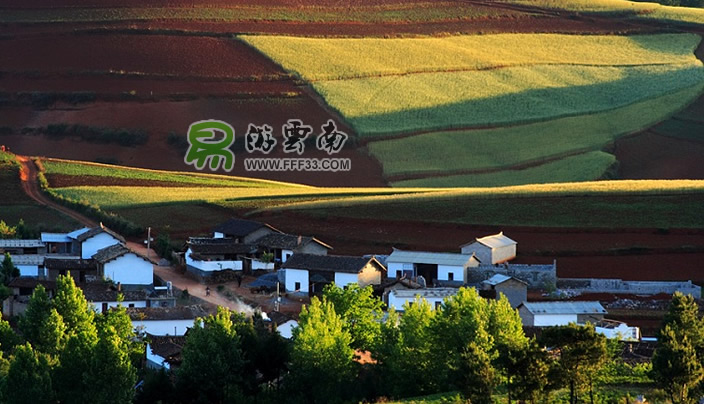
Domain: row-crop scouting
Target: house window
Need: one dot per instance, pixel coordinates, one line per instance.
(105, 307)
(399, 273)
(437, 305)
(131, 305)
(297, 286)
(450, 276)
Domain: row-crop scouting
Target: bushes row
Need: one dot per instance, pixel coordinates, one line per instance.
(40, 99)
(121, 136)
(111, 220)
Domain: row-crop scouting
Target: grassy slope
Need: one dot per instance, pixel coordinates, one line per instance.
(598, 204)
(16, 205)
(583, 167)
(503, 147)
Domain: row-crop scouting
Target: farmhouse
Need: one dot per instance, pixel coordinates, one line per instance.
(431, 266)
(164, 321)
(22, 247)
(124, 266)
(22, 289)
(307, 273)
(81, 270)
(283, 246)
(243, 231)
(515, 290)
(29, 265)
(105, 297)
(494, 249)
(434, 296)
(206, 256)
(83, 242)
(164, 351)
(546, 314)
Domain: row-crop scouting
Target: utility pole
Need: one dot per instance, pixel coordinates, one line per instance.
(149, 240)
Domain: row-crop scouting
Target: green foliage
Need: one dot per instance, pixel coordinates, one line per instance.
(112, 376)
(71, 378)
(163, 246)
(212, 361)
(582, 352)
(8, 271)
(7, 232)
(121, 136)
(321, 356)
(8, 338)
(157, 387)
(360, 311)
(29, 377)
(526, 371)
(41, 324)
(677, 362)
(71, 304)
(117, 321)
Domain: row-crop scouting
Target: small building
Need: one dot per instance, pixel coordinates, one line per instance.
(105, 297)
(515, 290)
(29, 265)
(617, 330)
(494, 249)
(124, 266)
(96, 239)
(22, 289)
(163, 321)
(434, 296)
(21, 247)
(81, 270)
(283, 246)
(206, 256)
(243, 231)
(432, 266)
(164, 351)
(547, 314)
(307, 273)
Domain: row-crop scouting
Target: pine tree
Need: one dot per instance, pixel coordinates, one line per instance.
(322, 359)
(71, 378)
(9, 270)
(41, 324)
(73, 307)
(111, 366)
(29, 378)
(526, 370)
(8, 338)
(211, 370)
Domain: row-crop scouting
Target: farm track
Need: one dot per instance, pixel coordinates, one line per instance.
(30, 185)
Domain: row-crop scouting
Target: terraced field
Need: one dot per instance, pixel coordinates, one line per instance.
(512, 101)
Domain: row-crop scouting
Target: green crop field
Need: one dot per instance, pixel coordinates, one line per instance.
(391, 86)
(504, 147)
(583, 167)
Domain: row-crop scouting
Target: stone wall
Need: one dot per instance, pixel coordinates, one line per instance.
(583, 285)
(536, 276)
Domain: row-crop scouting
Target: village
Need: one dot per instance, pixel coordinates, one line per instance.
(256, 269)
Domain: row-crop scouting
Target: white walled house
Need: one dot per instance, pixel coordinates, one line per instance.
(206, 256)
(243, 231)
(494, 249)
(96, 239)
(617, 330)
(283, 246)
(449, 267)
(163, 321)
(547, 314)
(307, 273)
(105, 297)
(434, 296)
(122, 265)
(29, 265)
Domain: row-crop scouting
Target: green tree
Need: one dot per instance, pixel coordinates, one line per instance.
(460, 330)
(73, 307)
(582, 354)
(211, 371)
(8, 338)
(112, 377)
(526, 370)
(9, 270)
(322, 359)
(71, 377)
(41, 324)
(361, 313)
(118, 320)
(29, 378)
(677, 362)
(7, 232)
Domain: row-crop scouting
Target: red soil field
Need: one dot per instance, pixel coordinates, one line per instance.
(160, 118)
(193, 3)
(182, 56)
(535, 245)
(652, 156)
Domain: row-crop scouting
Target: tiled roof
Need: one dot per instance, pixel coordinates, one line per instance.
(564, 307)
(114, 251)
(421, 257)
(26, 259)
(55, 238)
(212, 246)
(70, 263)
(287, 241)
(168, 347)
(496, 241)
(425, 293)
(499, 278)
(76, 233)
(97, 230)
(238, 227)
(13, 243)
(31, 282)
(162, 313)
(100, 292)
(329, 263)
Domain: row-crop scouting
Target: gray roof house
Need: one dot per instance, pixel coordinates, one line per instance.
(546, 314)
(433, 266)
(308, 273)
